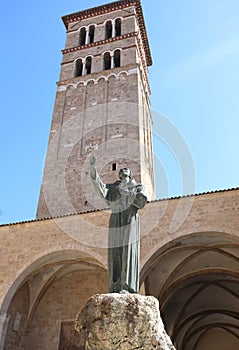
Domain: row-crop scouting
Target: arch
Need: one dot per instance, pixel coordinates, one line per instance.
(96, 81)
(83, 66)
(117, 58)
(84, 83)
(88, 65)
(203, 315)
(79, 58)
(53, 258)
(112, 75)
(118, 26)
(108, 29)
(102, 77)
(184, 241)
(113, 27)
(195, 276)
(217, 331)
(41, 278)
(90, 81)
(91, 33)
(86, 35)
(107, 61)
(112, 59)
(70, 86)
(123, 72)
(117, 49)
(79, 83)
(112, 51)
(79, 67)
(82, 37)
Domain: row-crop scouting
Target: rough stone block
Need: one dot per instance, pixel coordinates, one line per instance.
(122, 322)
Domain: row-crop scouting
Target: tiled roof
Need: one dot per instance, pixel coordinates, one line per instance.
(97, 210)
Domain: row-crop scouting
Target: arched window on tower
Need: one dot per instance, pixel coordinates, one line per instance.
(118, 27)
(79, 68)
(116, 58)
(107, 61)
(82, 36)
(108, 30)
(88, 63)
(91, 33)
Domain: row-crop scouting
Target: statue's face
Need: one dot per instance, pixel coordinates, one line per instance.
(124, 173)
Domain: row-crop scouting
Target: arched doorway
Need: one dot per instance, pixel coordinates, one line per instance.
(196, 279)
(46, 299)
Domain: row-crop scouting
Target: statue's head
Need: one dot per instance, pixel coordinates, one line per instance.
(124, 173)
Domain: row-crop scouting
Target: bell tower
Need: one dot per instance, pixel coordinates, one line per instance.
(102, 105)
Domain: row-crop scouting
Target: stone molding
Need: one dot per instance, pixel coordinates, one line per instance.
(98, 43)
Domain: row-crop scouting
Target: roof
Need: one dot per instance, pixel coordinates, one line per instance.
(98, 210)
(116, 5)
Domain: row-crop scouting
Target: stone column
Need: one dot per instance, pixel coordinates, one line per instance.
(112, 60)
(113, 28)
(87, 40)
(123, 322)
(83, 66)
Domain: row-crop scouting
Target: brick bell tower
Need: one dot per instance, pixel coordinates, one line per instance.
(102, 105)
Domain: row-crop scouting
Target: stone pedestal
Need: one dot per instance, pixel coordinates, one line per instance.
(122, 322)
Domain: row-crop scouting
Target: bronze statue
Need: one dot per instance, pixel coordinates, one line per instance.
(124, 197)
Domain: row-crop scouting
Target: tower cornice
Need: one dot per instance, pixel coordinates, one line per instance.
(113, 6)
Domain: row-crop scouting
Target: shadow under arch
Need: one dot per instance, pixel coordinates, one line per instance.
(193, 239)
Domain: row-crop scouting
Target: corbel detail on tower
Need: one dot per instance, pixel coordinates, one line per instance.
(99, 10)
(64, 87)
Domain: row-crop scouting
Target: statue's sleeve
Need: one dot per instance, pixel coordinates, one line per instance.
(140, 198)
(100, 186)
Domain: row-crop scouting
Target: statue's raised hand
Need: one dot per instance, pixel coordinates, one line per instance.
(92, 159)
(92, 166)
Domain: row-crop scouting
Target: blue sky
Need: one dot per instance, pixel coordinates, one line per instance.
(194, 83)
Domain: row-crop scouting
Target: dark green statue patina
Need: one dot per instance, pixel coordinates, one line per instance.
(124, 197)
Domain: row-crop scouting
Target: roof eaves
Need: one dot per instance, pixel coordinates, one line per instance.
(97, 210)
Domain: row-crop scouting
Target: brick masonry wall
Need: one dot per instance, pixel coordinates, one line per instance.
(22, 244)
(98, 112)
(128, 56)
(211, 213)
(28, 247)
(61, 302)
(128, 25)
(103, 118)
